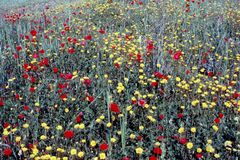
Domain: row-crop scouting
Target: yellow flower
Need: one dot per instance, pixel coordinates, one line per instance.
(217, 155)
(44, 125)
(25, 125)
(48, 148)
(109, 124)
(215, 128)
(18, 139)
(193, 129)
(181, 130)
(132, 136)
(189, 145)
(82, 126)
(178, 79)
(209, 141)
(43, 137)
(139, 150)
(37, 104)
(102, 155)
(210, 149)
(81, 154)
(204, 105)
(93, 143)
(73, 152)
(141, 128)
(199, 150)
(113, 140)
(59, 127)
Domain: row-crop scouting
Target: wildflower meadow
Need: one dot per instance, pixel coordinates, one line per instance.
(119, 79)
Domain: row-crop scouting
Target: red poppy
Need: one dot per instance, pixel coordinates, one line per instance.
(180, 115)
(217, 120)
(87, 81)
(18, 48)
(90, 98)
(102, 31)
(141, 102)
(177, 55)
(157, 150)
(1, 103)
(152, 158)
(199, 155)
(220, 115)
(68, 134)
(183, 141)
(161, 116)
(63, 96)
(32, 89)
(78, 119)
(68, 76)
(210, 74)
(17, 96)
(26, 108)
(55, 70)
(126, 158)
(104, 146)
(154, 84)
(71, 50)
(7, 152)
(6, 124)
(139, 138)
(33, 32)
(114, 108)
(41, 51)
(21, 116)
(88, 37)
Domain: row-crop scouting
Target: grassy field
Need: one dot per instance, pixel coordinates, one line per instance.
(120, 79)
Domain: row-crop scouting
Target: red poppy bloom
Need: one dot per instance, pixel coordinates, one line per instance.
(7, 152)
(210, 74)
(55, 70)
(126, 158)
(141, 102)
(32, 89)
(1, 103)
(78, 119)
(25, 76)
(104, 146)
(88, 37)
(199, 155)
(68, 76)
(217, 120)
(87, 81)
(161, 116)
(21, 116)
(114, 108)
(177, 55)
(220, 115)
(154, 84)
(18, 48)
(71, 50)
(90, 98)
(157, 150)
(102, 31)
(68, 134)
(26, 108)
(6, 124)
(183, 141)
(152, 157)
(33, 32)
(180, 115)
(41, 51)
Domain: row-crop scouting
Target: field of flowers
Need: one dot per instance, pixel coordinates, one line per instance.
(120, 80)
